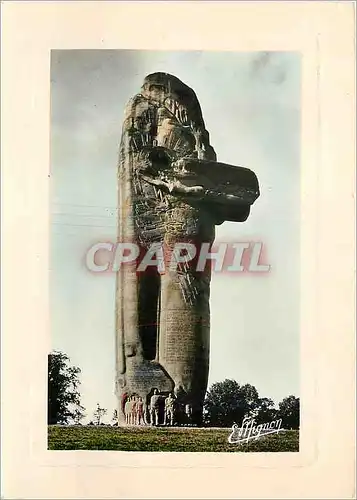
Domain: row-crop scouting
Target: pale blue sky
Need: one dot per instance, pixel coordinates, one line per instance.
(251, 107)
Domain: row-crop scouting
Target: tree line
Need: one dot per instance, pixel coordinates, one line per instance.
(226, 402)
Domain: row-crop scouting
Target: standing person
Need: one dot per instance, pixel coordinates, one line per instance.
(127, 410)
(154, 408)
(139, 411)
(146, 413)
(123, 401)
(169, 410)
(133, 410)
(188, 412)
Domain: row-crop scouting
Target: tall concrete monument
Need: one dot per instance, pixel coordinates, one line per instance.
(171, 192)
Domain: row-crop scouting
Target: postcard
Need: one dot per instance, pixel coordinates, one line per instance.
(183, 179)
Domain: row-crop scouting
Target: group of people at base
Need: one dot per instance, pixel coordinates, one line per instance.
(134, 410)
(137, 412)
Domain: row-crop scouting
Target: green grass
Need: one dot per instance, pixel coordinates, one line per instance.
(163, 439)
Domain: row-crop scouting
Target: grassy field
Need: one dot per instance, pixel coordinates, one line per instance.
(163, 439)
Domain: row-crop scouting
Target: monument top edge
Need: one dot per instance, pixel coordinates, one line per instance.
(171, 82)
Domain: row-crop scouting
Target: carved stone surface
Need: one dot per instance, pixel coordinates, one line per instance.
(171, 190)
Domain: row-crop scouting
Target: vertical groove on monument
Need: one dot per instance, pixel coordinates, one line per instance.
(170, 190)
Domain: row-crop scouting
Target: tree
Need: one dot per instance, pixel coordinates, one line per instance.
(63, 395)
(265, 411)
(228, 402)
(98, 414)
(78, 415)
(115, 417)
(289, 412)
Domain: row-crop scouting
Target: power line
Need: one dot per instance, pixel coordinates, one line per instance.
(81, 205)
(85, 215)
(80, 225)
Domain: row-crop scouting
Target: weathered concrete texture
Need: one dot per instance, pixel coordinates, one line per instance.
(171, 189)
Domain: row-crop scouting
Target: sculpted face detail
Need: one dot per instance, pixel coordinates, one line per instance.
(171, 190)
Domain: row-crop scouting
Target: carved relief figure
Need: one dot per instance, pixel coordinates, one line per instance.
(155, 408)
(139, 411)
(169, 410)
(133, 410)
(127, 410)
